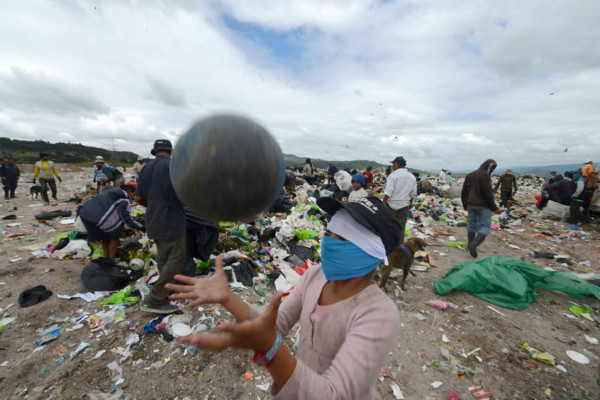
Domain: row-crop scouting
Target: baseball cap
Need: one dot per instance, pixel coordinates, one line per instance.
(161, 145)
(140, 158)
(99, 159)
(372, 214)
(400, 160)
(588, 161)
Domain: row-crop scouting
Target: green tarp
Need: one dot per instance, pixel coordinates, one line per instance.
(509, 282)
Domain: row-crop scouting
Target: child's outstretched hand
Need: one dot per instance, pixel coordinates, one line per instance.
(208, 290)
(258, 334)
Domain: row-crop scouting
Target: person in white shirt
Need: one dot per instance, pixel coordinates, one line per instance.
(309, 172)
(442, 178)
(358, 191)
(400, 189)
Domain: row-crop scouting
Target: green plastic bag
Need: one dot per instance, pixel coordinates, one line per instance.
(306, 234)
(98, 252)
(509, 282)
(458, 245)
(122, 296)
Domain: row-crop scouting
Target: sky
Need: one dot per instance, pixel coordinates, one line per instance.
(444, 84)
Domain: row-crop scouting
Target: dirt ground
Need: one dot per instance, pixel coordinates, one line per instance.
(157, 369)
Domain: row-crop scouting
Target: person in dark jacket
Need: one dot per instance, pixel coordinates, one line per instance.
(10, 175)
(478, 199)
(104, 215)
(165, 222)
(506, 184)
(562, 189)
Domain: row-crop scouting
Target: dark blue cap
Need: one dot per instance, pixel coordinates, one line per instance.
(400, 160)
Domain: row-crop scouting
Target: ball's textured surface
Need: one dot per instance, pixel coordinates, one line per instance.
(227, 168)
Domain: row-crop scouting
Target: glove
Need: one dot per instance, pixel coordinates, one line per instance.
(34, 181)
(94, 180)
(58, 177)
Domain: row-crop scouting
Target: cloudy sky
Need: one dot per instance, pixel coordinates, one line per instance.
(441, 83)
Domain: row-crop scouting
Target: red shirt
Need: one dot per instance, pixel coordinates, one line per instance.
(368, 177)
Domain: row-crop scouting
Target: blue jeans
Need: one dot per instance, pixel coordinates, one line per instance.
(480, 220)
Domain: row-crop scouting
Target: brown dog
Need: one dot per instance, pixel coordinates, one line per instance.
(402, 257)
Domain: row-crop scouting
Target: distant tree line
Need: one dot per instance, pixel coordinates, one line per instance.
(27, 152)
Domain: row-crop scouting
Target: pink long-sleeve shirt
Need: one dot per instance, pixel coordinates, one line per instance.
(342, 346)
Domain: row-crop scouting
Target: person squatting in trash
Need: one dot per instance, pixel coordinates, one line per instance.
(104, 216)
(478, 200)
(9, 172)
(506, 183)
(46, 170)
(348, 325)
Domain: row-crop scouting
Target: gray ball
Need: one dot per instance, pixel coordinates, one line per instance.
(227, 168)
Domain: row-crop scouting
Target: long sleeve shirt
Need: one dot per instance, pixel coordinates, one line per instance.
(45, 170)
(342, 346)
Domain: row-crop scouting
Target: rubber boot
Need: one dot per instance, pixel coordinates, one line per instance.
(470, 236)
(479, 238)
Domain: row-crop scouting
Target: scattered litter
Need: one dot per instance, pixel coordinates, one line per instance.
(577, 357)
(496, 311)
(396, 391)
(441, 304)
(591, 340)
(445, 339)
(420, 317)
(436, 384)
(538, 355)
(480, 393)
(82, 346)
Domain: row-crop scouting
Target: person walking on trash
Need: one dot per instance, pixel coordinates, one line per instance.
(478, 200)
(348, 324)
(104, 215)
(442, 177)
(506, 184)
(165, 224)
(9, 172)
(138, 167)
(46, 170)
(400, 189)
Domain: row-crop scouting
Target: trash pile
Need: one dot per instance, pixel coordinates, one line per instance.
(94, 328)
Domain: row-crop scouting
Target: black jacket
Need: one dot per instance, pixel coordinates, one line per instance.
(9, 171)
(477, 189)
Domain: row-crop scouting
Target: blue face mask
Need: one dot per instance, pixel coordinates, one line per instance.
(342, 259)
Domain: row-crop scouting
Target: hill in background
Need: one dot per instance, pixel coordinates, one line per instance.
(28, 152)
(295, 161)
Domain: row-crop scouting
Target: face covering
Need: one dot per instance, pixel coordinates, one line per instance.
(342, 259)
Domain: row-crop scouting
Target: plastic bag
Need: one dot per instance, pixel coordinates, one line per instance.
(343, 180)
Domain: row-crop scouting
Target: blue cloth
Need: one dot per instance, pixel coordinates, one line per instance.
(480, 220)
(108, 171)
(165, 217)
(342, 259)
(360, 178)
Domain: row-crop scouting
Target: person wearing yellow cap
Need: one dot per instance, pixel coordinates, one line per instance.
(46, 170)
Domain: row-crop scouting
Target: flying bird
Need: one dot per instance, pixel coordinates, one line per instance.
(565, 150)
(551, 94)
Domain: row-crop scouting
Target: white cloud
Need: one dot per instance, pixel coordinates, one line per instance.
(441, 83)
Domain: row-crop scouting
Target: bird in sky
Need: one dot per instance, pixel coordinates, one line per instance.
(551, 94)
(565, 150)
